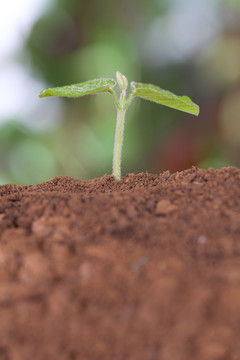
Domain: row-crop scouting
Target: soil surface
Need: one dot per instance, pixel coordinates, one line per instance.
(141, 269)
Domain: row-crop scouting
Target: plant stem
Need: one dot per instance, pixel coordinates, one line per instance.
(117, 153)
(121, 111)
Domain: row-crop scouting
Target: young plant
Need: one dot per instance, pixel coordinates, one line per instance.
(144, 91)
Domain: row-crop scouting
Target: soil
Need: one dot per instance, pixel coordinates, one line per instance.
(141, 269)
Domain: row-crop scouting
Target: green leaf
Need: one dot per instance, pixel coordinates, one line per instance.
(91, 87)
(164, 97)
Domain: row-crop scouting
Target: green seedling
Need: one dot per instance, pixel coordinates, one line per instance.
(144, 91)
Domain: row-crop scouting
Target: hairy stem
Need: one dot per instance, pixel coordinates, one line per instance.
(122, 105)
(117, 153)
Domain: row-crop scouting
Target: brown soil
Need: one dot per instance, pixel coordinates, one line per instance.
(142, 269)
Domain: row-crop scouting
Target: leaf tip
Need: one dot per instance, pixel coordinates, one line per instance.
(45, 93)
(196, 111)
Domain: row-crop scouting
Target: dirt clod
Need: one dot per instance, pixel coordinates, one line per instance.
(165, 207)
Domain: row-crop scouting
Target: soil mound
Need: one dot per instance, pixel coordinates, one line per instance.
(141, 269)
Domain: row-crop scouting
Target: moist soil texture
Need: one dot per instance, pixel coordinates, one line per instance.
(139, 269)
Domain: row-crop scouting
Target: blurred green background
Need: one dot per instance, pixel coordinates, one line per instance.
(188, 47)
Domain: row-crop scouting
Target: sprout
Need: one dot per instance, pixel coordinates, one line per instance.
(122, 81)
(144, 91)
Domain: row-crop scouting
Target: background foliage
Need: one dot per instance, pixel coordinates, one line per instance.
(189, 47)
